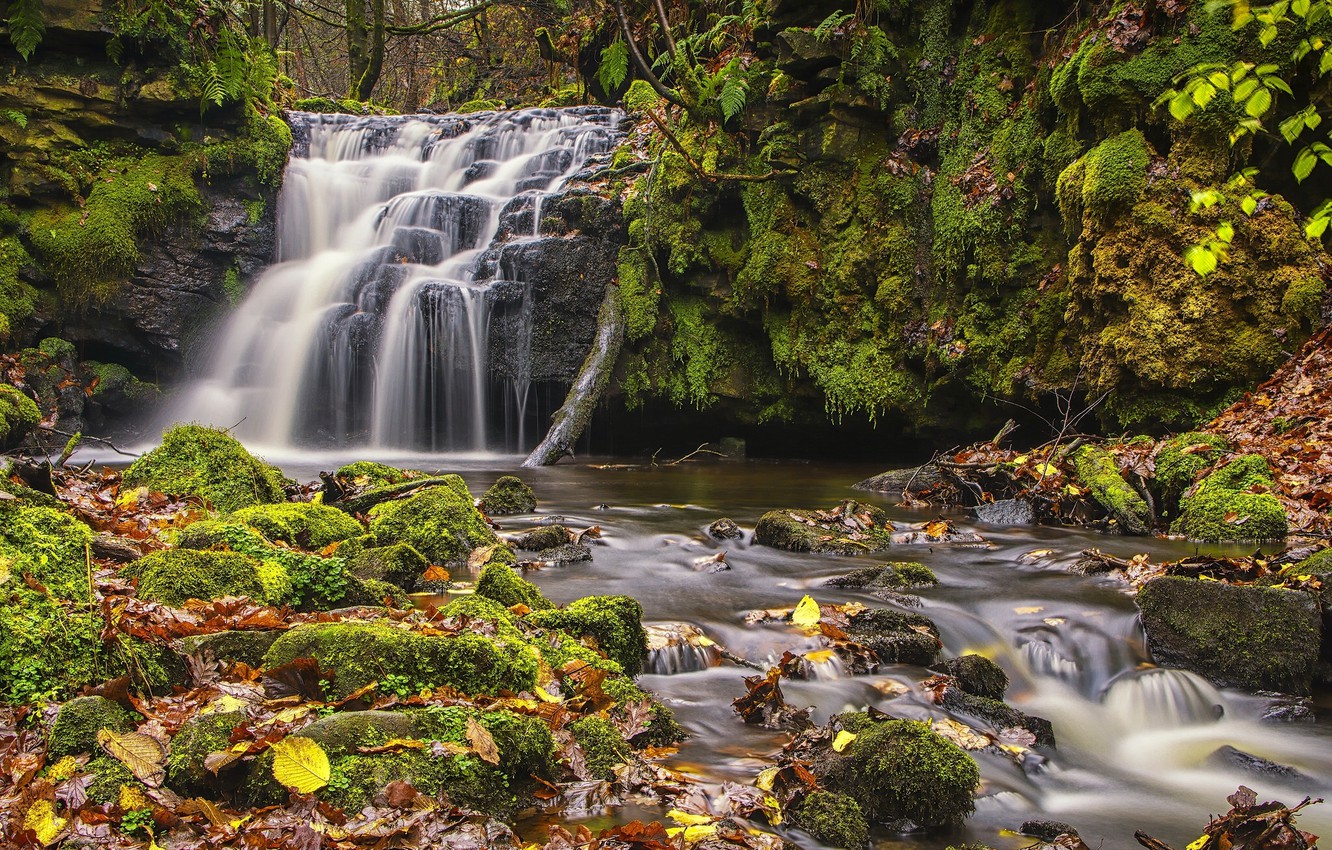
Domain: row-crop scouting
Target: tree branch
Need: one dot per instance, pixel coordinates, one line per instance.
(641, 63)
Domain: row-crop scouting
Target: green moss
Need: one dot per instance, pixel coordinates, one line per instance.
(111, 775)
(906, 574)
(525, 744)
(399, 564)
(207, 463)
(439, 522)
(833, 819)
(17, 297)
(797, 531)
(641, 97)
(501, 582)
(1177, 469)
(303, 524)
(113, 378)
(190, 746)
(603, 745)
(175, 575)
(361, 653)
(1225, 506)
(467, 780)
(47, 544)
(978, 675)
(80, 719)
(1116, 174)
(904, 769)
(278, 588)
(369, 473)
(1256, 638)
(311, 581)
(246, 646)
(613, 622)
(508, 495)
(1097, 470)
(1243, 473)
(18, 415)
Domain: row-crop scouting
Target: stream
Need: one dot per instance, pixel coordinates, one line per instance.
(1135, 743)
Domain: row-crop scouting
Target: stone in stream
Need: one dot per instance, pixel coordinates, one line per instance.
(999, 715)
(1229, 757)
(1256, 638)
(1046, 830)
(977, 675)
(508, 495)
(851, 528)
(554, 544)
(895, 481)
(895, 638)
(898, 575)
(725, 529)
(1006, 512)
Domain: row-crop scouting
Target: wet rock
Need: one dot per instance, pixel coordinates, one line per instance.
(542, 537)
(1229, 757)
(899, 575)
(851, 528)
(230, 646)
(833, 819)
(977, 675)
(1288, 710)
(999, 715)
(895, 481)
(1046, 830)
(399, 564)
(508, 495)
(1096, 469)
(566, 553)
(678, 648)
(725, 529)
(1007, 512)
(1257, 638)
(896, 638)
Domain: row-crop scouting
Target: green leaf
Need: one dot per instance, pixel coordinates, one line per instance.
(1258, 104)
(1291, 128)
(27, 26)
(1244, 89)
(1305, 161)
(1267, 35)
(1249, 205)
(1225, 232)
(1181, 106)
(1201, 260)
(734, 93)
(1300, 7)
(1202, 92)
(614, 66)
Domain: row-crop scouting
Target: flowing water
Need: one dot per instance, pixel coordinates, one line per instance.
(373, 326)
(1136, 744)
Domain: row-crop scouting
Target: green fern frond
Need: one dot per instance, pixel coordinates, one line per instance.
(734, 92)
(27, 26)
(614, 66)
(825, 31)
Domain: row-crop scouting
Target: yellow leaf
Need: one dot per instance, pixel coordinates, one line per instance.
(1029, 609)
(1019, 460)
(131, 497)
(819, 656)
(143, 755)
(1046, 469)
(843, 740)
(698, 833)
(1200, 843)
(223, 704)
(962, 735)
(704, 640)
(806, 614)
(688, 818)
(42, 820)
(765, 778)
(774, 809)
(300, 763)
(545, 696)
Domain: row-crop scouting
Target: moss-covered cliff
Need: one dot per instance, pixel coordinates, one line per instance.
(989, 206)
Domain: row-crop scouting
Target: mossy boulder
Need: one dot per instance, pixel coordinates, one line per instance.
(47, 544)
(1180, 460)
(603, 745)
(439, 522)
(898, 575)
(895, 638)
(977, 675)
(190, 746)
(813, 531)
(399, 564)
(175, 575)
(18, 415)
(302, 524)
(78, 722)
(1256, 638)
(614, 623)
(1232, 503)
(541, 538)
(508, 495)
(368, 473)
(901, 769)
(209, 464)
(1097, 470)
(501, 582)
(111, 776)
(833, 819)
(230, 646)
(359, 653)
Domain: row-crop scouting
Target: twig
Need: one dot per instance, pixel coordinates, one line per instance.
(101, 440)
(703, 449)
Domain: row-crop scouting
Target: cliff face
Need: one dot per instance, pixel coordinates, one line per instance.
(982, 204)
(129, 217)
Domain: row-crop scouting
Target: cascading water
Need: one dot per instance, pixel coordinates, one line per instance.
(373, 327)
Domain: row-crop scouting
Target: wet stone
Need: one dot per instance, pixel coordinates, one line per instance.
(1046, 830)
(1229, 757)
(1006, 512)
(725, 529)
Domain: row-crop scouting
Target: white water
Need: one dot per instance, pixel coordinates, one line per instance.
(373, 326)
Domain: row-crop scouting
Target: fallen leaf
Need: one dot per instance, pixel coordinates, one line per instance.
(481, 741)
(300, 763)
(142, 754)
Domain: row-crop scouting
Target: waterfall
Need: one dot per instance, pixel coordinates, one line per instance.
(373, 326)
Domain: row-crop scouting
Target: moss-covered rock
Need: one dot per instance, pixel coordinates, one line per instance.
(897, 575)
(111, 776)
(175, 575)
(808, 531)
(1257, 638)
(361, 653)
(18, 415)
(541, 538)
(1181, 459)
(210, 464)
(190, 746)
(896, 638)
(1097, 470)
(902, 769)
(303, 524)
(501, 582)
(78, 722)
(230, 646)
(288, 576)
(1232, 503)
(48, 545)
(439, 522)
(508, 495)
(399, 564)
(368, 473)
(614, 623)
(833, 819)
(977, 675)
(603, 745)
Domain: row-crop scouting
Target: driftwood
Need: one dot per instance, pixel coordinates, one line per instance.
(569, 421)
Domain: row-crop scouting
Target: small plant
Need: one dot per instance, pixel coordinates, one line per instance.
(137, 820)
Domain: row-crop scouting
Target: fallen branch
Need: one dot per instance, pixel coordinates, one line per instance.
(87, 438)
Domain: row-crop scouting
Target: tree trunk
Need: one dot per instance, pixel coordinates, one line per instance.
(365, 47)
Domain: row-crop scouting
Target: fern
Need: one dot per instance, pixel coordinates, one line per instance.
(830, 25)
(734, 90)
(27, 26)
(614, 66)
(17, 117)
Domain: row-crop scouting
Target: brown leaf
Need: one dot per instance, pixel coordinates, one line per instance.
(481, 741)
(143, 755)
